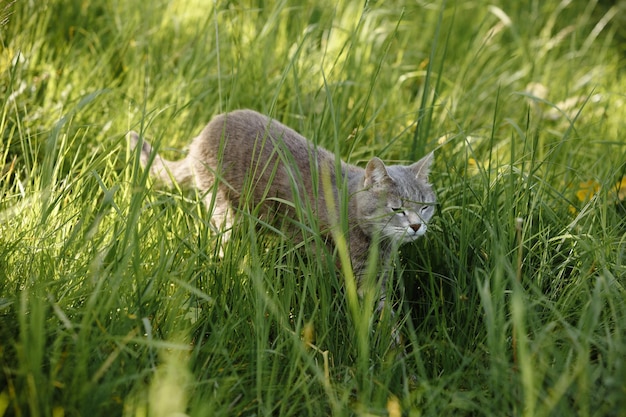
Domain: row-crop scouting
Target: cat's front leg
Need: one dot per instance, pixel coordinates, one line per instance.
(221, 216)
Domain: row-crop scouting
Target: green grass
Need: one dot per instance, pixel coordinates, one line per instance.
(112, 298)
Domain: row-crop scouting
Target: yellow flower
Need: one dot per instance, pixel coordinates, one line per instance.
(586, 190)
(394, 409)
(621, 189)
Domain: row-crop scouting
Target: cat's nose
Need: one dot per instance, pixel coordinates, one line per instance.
(415, 226)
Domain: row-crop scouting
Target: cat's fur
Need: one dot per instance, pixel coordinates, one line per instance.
(249, 159)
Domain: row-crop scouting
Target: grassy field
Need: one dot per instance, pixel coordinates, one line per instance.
(112, 298)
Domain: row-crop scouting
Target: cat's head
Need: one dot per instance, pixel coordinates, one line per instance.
(396, 201)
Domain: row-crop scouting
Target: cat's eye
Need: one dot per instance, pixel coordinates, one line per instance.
(398, 210)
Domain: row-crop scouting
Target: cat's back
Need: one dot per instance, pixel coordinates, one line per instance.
(242, 131)
(245, 136)
(245, 145)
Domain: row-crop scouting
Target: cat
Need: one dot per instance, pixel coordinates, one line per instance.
(244, 158)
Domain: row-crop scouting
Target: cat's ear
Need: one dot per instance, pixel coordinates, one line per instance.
(375, 173)
(421, 168)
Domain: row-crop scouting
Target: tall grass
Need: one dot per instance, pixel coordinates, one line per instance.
(114, 301)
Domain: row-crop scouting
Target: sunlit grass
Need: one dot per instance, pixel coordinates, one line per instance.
(113, 299)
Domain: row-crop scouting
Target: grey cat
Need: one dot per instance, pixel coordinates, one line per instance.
(244, 158)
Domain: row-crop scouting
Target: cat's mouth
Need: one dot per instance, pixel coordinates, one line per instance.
(406, 234)
(414, 231)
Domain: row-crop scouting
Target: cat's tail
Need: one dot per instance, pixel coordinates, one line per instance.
(163, 170)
